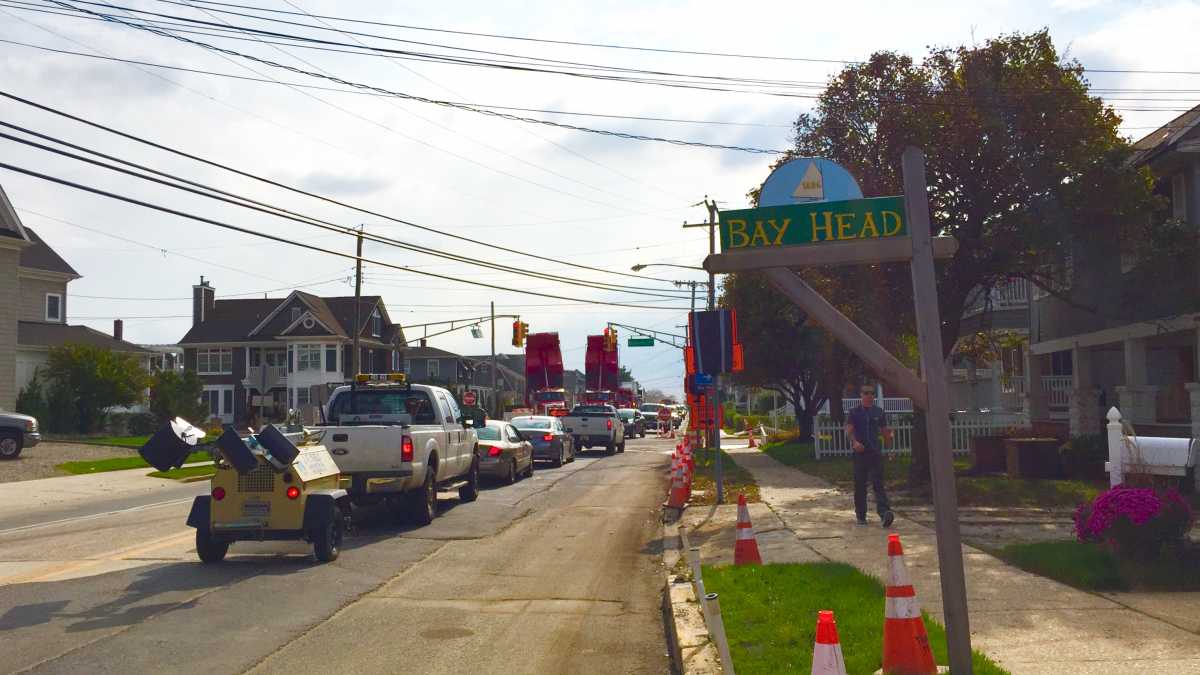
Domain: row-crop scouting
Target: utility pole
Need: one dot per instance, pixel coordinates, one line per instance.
(495, 394)
(715, 441)
(355, 356)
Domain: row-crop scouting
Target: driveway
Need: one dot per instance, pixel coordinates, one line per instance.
(40, 460)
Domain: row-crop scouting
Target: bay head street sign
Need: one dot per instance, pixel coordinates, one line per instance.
(808, 179)
(812, 223)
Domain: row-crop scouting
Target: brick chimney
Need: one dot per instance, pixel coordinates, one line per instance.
(204, 298)
(118, 329)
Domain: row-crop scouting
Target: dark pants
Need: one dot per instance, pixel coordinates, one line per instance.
(868, 465)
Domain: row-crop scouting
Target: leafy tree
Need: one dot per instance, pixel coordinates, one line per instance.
(177, 394)
(1022, 163)
(653, 395)
(87, 380)
(31, 400)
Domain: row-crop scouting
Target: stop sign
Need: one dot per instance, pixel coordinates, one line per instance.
(469, 398)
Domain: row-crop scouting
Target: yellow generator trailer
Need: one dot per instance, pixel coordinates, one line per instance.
(265, 488)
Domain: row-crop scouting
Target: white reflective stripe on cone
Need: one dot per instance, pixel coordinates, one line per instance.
(901, 608)
(745, 533)
(827, 660)
(899, 572)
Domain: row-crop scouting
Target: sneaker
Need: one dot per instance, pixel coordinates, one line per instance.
(888, 518)
(861, 521)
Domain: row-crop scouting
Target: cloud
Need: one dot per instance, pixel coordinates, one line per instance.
(352, 185)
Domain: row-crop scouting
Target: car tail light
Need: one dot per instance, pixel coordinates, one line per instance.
(293, 492)
(494, 451)
(609, 425)
(406, 449)
(548, 437)
(218, 493)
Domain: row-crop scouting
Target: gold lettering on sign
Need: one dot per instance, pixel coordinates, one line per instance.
(827, 227)
(868, 226)
(894, 221)
(759, 234)
(737, 229)
(843, 229)
(780, 230)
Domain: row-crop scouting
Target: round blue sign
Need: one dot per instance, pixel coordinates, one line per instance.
(808, 179)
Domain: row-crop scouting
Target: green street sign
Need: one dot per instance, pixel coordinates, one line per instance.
(813, 223)
(641, 342)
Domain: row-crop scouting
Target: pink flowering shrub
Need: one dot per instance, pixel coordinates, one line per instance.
(1135, 522)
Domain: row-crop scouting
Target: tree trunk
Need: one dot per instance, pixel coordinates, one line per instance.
(805, 422)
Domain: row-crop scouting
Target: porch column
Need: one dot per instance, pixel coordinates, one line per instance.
(1035, 396)
(1193, 389)
(1137, 399)
(1085, 396)
(997, 386)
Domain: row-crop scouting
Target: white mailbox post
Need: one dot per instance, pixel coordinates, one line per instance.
(1147, 454)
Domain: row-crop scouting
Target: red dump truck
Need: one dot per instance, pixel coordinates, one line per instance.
(601, 370)
(544, 392)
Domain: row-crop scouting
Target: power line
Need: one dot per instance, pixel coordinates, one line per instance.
(306, 193)
(310, 247)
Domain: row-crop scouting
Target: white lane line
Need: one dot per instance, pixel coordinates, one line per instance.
(92, 516)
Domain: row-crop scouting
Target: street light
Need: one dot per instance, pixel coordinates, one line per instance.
(639, 267)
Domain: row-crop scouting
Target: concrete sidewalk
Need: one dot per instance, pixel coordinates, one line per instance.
(1026, 623)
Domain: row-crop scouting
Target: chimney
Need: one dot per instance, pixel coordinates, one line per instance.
(204, 298)
(118, 329)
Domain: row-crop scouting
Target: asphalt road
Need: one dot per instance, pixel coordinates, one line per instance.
(559, 573)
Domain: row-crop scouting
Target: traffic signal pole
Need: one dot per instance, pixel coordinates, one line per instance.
(495, 394)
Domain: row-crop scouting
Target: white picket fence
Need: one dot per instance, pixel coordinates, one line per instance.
(831, 438)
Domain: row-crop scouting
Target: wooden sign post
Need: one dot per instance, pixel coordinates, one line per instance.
(910, 241)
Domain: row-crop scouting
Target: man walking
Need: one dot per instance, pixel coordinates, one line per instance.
(864, 426)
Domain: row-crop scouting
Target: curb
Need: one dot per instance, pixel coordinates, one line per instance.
(692, 650)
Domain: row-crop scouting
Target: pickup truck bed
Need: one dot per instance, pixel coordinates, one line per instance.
(596, 426)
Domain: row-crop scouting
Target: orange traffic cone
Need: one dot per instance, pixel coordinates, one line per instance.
(827, 653)
(905, 643)
(745, 548)
(679, 493)
(750, 430)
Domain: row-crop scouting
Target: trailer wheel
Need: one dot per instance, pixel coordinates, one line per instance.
(209, 549)
(327, 540)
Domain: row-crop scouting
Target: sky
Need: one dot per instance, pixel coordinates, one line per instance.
(583, 199)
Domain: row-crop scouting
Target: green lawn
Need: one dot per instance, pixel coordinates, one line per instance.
(120, 463)
(734, 478)
(972, 490)
(118, 441)
(186, 472)
(770, 615)
(1092, 567)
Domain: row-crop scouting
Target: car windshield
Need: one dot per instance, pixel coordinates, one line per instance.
(489, 433)
(651, 407)
(625, 414)
(384, 402)
(529, 423)
(590, 410)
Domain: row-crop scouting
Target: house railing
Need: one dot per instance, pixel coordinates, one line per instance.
(1013, 384)
(889, 405)
(1058, 390)
(1011, 294)
(830, 439)
(275, 375)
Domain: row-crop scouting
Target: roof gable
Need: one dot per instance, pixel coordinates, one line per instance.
(307, 324)
(41, 257)
(10, 222)
(1165, 137)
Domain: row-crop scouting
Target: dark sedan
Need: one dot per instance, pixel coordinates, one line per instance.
(550, 440)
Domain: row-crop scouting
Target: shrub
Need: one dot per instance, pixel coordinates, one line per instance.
(32, 400)
(174, 394)
(1135, 522)
(1084, 456)
(141, 424)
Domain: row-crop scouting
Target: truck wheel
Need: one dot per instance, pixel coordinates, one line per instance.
(327, 540)
(470, 491)
(10, 445)
(610, 449)
(209, 549)
(621, 447)
(423, 504)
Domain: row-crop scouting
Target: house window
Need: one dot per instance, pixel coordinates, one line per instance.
(301, 397)
(376, 323)
(54, 307)
(214, 361)
(433, 368)
(331, 359)
(255, 358)
(219, 401)
(308, 357)
(407, 366)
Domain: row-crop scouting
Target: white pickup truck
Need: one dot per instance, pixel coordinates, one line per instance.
(401, 444)
(596, 425)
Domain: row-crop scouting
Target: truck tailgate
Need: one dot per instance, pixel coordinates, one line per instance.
(365, 448)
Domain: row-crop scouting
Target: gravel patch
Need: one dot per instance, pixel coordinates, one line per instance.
(39, 461)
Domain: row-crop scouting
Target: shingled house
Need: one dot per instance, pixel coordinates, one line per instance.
(33, 309)
(258, 357)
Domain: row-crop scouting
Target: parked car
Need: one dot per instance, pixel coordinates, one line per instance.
(549, 437)
(635, 424)
(17, 432)
(401, 444)
(677, 413)
(504, 452)
(596, 425)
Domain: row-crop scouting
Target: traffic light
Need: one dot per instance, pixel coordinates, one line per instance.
(520, 331)
(610, 339)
